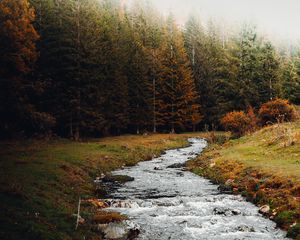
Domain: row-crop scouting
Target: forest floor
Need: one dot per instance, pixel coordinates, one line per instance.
(264, 167)
(41, 181)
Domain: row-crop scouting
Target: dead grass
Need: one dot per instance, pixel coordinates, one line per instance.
(103, 217)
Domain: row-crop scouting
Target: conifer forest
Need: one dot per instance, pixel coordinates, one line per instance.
(91, 68)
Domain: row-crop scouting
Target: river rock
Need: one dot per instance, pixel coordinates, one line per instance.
(117, 178)
(157, 168)
(177, 165)
(119, 230)
(265, 209)
(245, 228)
(122, 203)
(223, 188)
(229, 182)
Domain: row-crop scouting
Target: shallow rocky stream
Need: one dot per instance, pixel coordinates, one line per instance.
(170, 203)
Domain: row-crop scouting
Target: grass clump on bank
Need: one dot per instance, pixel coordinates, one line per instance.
(264, 167)
(40, 182)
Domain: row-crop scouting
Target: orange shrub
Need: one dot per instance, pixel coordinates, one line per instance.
(236, 122)
(253, 120)
(278, 110)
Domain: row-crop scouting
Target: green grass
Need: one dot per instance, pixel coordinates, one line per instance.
(264, 167)
(40, 182)
(273, 149)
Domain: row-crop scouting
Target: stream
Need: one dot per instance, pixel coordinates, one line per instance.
(170, 203)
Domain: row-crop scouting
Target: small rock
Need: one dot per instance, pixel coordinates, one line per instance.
(119, 230)
(265, 209)
(117, 178)
(235, 212)
(293, 225)
(220, 211)
(157, 168)
(177, 165)
(229, 182)
(225, 188)
(245, 228)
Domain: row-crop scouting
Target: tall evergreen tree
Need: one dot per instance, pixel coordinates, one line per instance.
(177, 92)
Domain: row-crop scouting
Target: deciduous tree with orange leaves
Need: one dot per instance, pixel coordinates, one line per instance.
(17, 56)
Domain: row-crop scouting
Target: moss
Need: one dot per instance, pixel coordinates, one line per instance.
(294, 232)
(285, 218)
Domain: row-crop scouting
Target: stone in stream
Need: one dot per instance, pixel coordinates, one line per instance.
(158, 168)
(119, 230)
(245, 228)
(225, 188)
(177, 165)
(265, 209)
(226, 212)
(121, 203)
(117, 178)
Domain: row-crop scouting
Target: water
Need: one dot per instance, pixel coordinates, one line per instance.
(170, 203)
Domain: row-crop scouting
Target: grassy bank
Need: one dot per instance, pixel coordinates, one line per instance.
(264, 167)
(40, 182)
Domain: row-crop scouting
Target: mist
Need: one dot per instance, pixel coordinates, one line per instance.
(276, 19)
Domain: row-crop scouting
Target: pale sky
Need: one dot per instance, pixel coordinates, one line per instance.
(278, 18)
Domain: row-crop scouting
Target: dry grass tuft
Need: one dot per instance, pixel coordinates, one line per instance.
(103, 217)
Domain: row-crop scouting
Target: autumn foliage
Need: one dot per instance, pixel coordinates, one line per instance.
(278, 110)
(236, 122)
(17, 37)
(253, 120)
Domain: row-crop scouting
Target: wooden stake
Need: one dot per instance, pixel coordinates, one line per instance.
(78, 213)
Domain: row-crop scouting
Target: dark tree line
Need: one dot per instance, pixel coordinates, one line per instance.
(82, 68)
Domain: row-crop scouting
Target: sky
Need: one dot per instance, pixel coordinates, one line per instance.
(278, 19)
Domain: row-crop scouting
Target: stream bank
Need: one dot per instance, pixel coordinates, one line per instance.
(264, 168)
(167, 202)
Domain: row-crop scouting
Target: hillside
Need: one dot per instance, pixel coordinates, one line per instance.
(264, 167)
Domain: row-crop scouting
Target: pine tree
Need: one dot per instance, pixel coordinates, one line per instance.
(177, 95)
(213, 69)
(290, 75)
(268, 81)
(249, 69)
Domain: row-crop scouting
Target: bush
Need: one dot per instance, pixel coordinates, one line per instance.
(278, 110)
(253, 121)
(236, 122)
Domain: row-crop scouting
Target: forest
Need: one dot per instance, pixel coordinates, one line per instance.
(92, 68)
